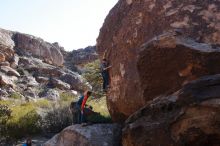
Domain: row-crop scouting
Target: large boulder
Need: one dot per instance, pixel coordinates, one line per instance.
(131, 23)
(94, 135)
(167, 62)
(189, 117)
(75, 81)
(9, 71)
(60, 84)
(37, 67)
(6, 45)
(7, 81)
(33, 46)
(14, 61)
(50, 94)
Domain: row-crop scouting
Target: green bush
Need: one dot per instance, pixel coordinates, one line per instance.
(29, 124)
(5, 114)
(93, 75)
(56, 119)
(24, 121)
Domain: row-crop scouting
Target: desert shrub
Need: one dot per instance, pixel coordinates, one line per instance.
(5, 114)
(56, 119)
(29, 124)
(24, 121)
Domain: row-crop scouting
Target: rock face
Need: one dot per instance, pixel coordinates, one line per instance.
(33, 46)
(6, 45)
(167, 62)
(76, 59)
(28, 64)
(94, 135)
(130, 24)
(189, 117)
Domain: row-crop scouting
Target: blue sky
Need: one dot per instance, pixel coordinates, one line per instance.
(73, 23)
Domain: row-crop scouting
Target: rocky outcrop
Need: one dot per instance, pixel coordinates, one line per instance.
(94, 135)
(9, 71)
(33, 46)
(14, 61)
(6, 45)
(130, 24)
(60, 84)
(75, 81)
(60, 77)
(76, 59)
(7, 81)
(189, 117)
(28, 64)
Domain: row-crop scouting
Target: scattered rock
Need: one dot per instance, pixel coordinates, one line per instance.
(93, 135)
(29, 81)
(5, 63)
(30, 93)
(50, 94)
(2, 57)
(42, 80)
(3, 93)
(75, 81)
(9, 71)
(60, 84)
(14, 61)
(7, 81)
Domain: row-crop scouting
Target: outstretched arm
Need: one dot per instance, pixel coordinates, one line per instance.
(107, 67)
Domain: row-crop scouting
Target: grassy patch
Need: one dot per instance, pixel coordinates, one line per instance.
(42, 103)
(6, 102)
(24, 120)
(15, 95)
(99, 106)
(66, 98)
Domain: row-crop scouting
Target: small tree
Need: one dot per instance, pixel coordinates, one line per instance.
(5, 113)
(93, 75)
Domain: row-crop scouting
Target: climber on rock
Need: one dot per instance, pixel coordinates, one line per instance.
(105, 74)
